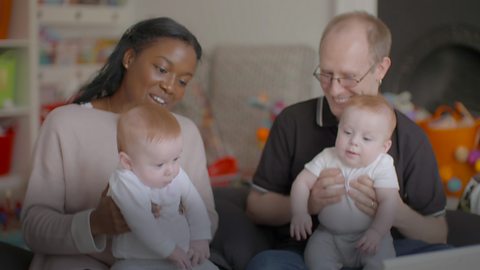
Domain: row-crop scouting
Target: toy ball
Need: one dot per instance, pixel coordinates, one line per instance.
(454, 184)
(262, 134)
(446, 172)
(473, 156)
(461, 154)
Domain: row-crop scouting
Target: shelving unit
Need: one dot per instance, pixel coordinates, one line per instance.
(24, 113)
(64, 72)
(81, 14)
(28, 18)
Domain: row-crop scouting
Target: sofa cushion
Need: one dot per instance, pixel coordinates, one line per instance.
(240, 73)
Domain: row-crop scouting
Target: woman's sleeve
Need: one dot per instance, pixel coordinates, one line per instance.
(46, 227)
(194, 163)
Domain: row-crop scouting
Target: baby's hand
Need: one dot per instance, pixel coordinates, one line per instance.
(369, 242)
(198, 252)
(301, 226)
(180, 259)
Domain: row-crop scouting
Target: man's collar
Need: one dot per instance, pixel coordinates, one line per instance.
(325, 117)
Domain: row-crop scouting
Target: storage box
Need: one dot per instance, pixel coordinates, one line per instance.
(8, 64)
(5, 14)
(6, 144)
(446, 143)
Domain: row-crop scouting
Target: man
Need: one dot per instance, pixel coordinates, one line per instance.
(354, 59)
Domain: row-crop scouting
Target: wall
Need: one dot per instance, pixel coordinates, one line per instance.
(245, 22)
(252, 22)
(435, 51)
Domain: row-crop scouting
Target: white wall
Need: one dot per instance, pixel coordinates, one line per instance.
(245, 21)
(252, 22)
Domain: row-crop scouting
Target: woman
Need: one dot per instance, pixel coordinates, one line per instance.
(66, 217)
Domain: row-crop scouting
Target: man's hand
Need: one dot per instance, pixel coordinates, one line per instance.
(324, 192)
(363, 194)
(180, 259)
(198, 252)
(107, 218)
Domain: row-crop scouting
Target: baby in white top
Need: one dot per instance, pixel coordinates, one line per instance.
(149, 177)
(347, 236)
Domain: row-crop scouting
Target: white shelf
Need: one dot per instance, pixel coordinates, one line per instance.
(24, 112)
(14, 43)
(54, 73)
(81, 15)
(28, 16)
(14, 111)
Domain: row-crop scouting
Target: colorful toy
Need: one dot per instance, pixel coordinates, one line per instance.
(461, 154)
(473, 157)
(403, 102)
(262, 135)
(446, 172)
(3, 218)
(223, 171)
(9, 215)
(454, 184)
(271, 109)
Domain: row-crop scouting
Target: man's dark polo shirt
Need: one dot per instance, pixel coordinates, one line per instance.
(304, 129)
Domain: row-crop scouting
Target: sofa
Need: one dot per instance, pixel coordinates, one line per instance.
(229, 86)
(228, 78)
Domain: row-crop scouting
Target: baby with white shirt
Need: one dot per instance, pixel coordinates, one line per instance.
(149, 176)
(347, 236)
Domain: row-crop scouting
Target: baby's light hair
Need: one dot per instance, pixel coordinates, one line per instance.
(145, 123)
(375, 104)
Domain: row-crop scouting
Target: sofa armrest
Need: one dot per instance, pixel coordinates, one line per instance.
(463, 228)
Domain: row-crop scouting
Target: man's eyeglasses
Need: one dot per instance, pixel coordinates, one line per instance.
(346, 82)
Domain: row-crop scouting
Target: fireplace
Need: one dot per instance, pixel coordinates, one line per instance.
(435, 51)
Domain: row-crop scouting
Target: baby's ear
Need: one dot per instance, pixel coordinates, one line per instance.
(125, 161)
(387, 145)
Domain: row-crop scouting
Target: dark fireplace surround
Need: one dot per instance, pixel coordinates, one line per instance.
(435, 51)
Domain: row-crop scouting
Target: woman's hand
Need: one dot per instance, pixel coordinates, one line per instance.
(363, 194)
(107, 218)
(323, 192)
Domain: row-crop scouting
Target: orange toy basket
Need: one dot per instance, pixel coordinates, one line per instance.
(445, 143)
